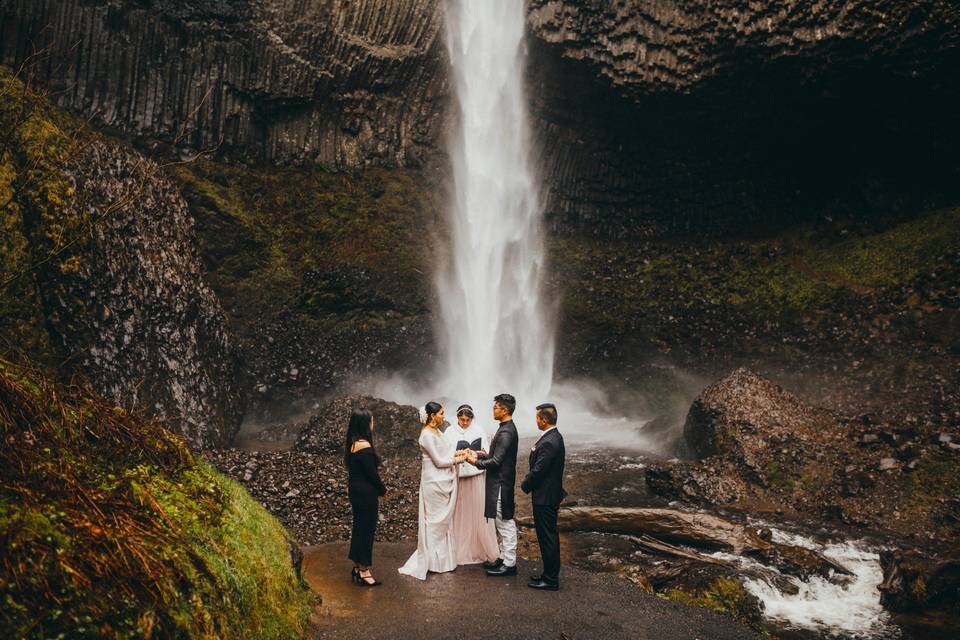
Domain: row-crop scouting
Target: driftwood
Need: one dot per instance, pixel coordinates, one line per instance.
(653, 545)
(668, 527)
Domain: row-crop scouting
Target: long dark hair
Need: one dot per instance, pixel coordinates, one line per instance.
(359, 429)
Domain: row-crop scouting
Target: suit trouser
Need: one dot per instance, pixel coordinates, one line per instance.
(545, 522)
(507, 529)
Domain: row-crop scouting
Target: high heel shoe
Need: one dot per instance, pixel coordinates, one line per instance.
(355, 575)
(368, 581)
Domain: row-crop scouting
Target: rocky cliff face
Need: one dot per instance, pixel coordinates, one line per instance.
(136, 313)
(344, 84)
(678, 115)
(103, 251)
(654, 115)
(644, 47)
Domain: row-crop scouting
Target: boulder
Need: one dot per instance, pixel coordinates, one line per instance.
(396, 426)
(913, 581)
(696, 483)
(745, 415)
(754, 439)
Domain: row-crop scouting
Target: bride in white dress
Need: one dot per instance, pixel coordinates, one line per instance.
(436, 550)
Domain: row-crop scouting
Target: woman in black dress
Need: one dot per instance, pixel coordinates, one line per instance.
(365, 488)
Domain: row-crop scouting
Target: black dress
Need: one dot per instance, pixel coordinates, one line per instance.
(365, 487)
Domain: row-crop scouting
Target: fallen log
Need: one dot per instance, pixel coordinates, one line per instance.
(649, 543)
(700, 530)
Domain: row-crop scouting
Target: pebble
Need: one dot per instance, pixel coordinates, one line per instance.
(307, 492)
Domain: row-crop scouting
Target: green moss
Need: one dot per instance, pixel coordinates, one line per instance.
(21, 321)
(775, 476)
(41, 234)
(110, 528)
(654, 293)
(935, 477)
(724, 595)
(340, 252)
(892, 256)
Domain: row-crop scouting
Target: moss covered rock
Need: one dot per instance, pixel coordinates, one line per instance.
(99, 270)
(702, 300)
(324, 275)
(111, 528)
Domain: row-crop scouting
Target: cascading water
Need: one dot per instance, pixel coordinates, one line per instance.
(847, 608)
(496, 329)
(497, 335)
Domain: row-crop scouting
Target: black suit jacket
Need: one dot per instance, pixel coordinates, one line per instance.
(545, 477)
(500, 463)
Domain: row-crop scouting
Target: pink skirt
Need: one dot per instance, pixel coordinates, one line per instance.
(474, 536)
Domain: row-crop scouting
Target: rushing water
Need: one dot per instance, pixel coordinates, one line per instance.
(497, 334)
(842, 608)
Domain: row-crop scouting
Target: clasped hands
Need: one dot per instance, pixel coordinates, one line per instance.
(466, 455)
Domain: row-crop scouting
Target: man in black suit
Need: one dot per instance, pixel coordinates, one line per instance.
(545, 480)
(501, 467)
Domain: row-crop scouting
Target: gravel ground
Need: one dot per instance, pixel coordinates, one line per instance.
(307, 492)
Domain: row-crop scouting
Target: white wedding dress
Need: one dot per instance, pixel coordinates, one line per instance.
(436, 550)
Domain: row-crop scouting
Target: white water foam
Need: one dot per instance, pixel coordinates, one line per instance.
(849, 609)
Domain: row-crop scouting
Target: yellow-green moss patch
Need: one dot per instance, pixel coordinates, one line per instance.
(111, 528)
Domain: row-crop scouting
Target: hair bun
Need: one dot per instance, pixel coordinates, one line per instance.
(423, 415)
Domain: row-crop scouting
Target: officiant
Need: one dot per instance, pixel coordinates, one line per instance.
(475, 537)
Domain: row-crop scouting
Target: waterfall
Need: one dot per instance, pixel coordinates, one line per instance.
(496, 328)
(497, 335)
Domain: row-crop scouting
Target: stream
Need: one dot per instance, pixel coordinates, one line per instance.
(794, 609)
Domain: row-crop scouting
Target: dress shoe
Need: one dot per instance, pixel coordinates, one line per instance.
(493, 565)
(503, 570)
(543, 585)
(536, 577)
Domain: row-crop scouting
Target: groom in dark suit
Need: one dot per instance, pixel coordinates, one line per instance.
(545, 480)
(501, 467)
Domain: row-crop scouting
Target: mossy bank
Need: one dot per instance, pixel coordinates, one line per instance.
(111, 528)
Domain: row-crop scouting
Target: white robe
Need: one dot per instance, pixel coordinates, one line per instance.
(455, 434)
(438, 497)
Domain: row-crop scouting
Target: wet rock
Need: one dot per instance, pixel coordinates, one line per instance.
(913, 581)
(396, 427)
(698, 483)
(133, 312)
(888, 464)
(744, 416)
